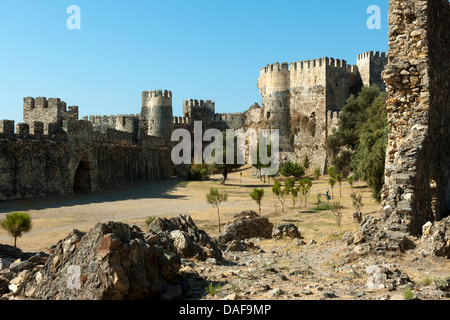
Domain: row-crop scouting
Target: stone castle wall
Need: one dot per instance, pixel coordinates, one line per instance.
(72, 157)
(417, 174)
(298, 97)
(301, 99)
(127, 123)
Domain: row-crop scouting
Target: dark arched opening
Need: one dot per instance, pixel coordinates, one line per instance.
(83, 178)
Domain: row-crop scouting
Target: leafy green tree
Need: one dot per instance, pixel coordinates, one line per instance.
(332, 182)
(295, 194)
(317, 173)
(199, 172)
(226, 168)
(350, 181)
(257, 195)
(332, 172)
(318, 200)
(305, 188)
(280, 193)
(291, 189)
(368, 162)
(215, 198)
(16, 224)
(358, 145)
(290, 168)
(339, 181)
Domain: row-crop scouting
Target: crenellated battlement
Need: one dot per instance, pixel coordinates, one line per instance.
(181, 120)
(199, 110)
(22, 130)
(332, 120)
(109, 118)
(352, 68)
(370, 65)
(7, 127)
(371, 54)
(47, 110)
(306, 64)
(193, 103)
(157, 93)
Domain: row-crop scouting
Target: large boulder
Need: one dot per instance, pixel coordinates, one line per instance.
(286, 230)
(112, 261)
(189, 241)
(436, 238)
(245, 225)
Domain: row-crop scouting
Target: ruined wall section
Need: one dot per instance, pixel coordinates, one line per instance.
(254, 116)
(417, 170)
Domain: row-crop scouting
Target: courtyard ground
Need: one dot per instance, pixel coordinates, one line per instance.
(279, 269)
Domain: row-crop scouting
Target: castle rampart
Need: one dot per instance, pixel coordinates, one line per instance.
(72, 156)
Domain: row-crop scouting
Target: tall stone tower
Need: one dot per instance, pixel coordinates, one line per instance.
(370, 65)
(156, 114)
(274, 87)
(47, 111)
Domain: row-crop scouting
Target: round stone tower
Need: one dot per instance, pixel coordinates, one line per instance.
(274, 87)
(157, 115)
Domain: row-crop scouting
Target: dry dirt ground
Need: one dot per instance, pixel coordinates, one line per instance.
(281, 269)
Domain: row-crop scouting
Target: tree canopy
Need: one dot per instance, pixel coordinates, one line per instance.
(359, 143)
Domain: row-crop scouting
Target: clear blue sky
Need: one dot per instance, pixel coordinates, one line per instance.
(197, 49)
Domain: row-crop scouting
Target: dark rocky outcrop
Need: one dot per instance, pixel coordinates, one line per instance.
(112, 261)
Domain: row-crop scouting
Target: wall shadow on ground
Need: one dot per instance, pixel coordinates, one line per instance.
(137, 190)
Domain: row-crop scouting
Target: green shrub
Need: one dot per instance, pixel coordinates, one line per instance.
(16, 224)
